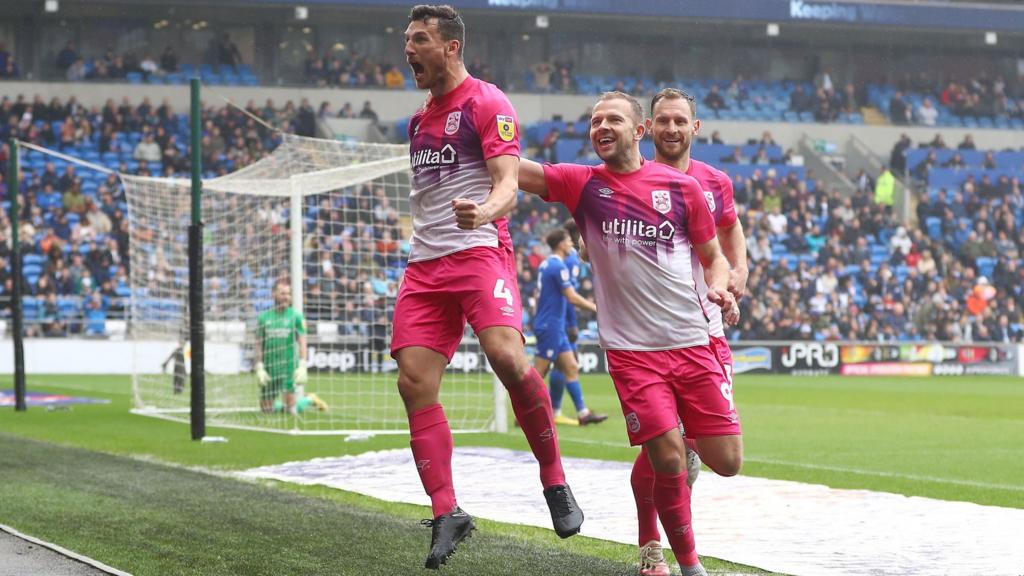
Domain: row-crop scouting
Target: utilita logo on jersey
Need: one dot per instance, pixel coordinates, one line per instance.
(432, 159)
(636, 232)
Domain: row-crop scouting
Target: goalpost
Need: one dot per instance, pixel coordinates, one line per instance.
(331, 220)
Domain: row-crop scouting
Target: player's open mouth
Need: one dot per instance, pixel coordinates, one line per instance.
(605, 141)
(417, 69)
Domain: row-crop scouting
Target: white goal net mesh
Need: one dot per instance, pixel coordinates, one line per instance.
(343, 270)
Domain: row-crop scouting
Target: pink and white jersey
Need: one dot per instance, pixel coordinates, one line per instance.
(638, 228)
(718, 189)
(451, 138)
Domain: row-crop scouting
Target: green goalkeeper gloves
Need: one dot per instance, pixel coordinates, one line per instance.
(300, 376)
(262, 376)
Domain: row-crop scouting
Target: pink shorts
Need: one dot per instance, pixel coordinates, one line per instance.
(657, 389)
(724, 352)
(438, 296)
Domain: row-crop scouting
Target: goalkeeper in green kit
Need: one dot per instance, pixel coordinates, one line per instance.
(279, 366)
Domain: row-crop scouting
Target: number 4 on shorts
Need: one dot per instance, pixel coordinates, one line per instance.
(501, 292)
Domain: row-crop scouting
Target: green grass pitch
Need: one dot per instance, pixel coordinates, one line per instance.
(91, 478)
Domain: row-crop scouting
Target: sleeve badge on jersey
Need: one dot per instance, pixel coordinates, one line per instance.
(506, 128)
(661, 200)
(451, 126)
(711, 200)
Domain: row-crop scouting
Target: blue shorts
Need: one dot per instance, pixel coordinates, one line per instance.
(552, 342)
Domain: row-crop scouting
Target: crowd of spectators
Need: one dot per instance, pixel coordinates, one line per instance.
(74, 230)
(343, 69)
(923, 100)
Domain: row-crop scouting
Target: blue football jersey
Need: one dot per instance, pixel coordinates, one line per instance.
(553, 278)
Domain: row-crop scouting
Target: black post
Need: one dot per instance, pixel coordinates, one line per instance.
(14, 192)
(195, 274)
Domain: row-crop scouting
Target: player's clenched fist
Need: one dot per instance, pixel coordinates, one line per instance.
(468, 214)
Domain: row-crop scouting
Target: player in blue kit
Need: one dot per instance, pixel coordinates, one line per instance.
(557, 383)
(557, 296)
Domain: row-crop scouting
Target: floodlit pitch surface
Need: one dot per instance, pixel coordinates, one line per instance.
(945, 438)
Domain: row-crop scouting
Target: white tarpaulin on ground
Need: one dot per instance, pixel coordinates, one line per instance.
(789, 527)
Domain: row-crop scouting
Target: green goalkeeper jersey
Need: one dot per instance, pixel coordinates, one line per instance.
(278, 331)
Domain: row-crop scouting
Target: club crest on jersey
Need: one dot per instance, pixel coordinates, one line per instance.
(633, 422)
(451, 126)
(506, 128)
(711, 200)
(662, 200)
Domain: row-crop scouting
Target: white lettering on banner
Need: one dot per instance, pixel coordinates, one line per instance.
(588, 362)
(801, 10)
(813, 354)
(334, 360)
(465, 362)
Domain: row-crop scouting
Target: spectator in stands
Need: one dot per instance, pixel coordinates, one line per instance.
(759, 249)
(899, 112)
(169, 60)
(938, 143)
(67, 57)
(542, 72)
(394, 79)
(147, 150)
(76, 72)
(228, 53)
(898, 157)
(885, 187)
(920, 171)
(967, 143)
(927, 114)
(955, 161)
(735, 157)
(368, 112)
(799, 101)
(796, 243)
(714, 99)
(849, 100)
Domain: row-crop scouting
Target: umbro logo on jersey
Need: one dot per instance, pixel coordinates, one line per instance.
(606, 192)
(547, 435)
(423, 464)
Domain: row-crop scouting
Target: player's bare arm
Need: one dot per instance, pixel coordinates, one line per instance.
(578, 301)
(716, 273)
(734, 246)
(502, 199)
(531, 178)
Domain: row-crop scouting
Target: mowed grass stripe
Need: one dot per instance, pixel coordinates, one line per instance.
(148, 518)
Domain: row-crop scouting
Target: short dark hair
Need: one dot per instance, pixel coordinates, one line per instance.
(573, 230)
(638, 110)
(449, 21)
(556, 237)
(675, 94)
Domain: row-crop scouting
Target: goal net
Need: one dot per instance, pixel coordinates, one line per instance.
(327, 221)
